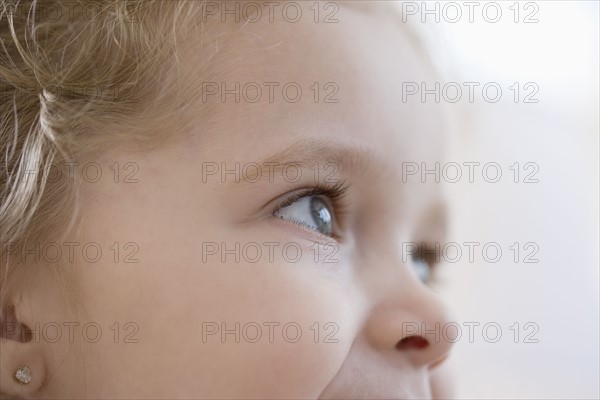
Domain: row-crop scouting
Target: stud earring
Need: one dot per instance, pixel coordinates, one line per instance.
(23, 375)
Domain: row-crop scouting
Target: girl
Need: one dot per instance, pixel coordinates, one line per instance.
(206, 200)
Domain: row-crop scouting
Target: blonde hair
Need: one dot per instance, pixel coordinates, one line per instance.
(64, 74)
(73, 76)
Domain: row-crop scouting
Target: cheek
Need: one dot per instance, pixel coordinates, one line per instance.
(277, 328)
(240, 328)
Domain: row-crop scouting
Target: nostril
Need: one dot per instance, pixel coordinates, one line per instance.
(412, 342)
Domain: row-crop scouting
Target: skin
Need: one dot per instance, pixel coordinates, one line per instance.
(172, 297)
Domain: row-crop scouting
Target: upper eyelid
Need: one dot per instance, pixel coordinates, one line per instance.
(332, 191)
(295, 197)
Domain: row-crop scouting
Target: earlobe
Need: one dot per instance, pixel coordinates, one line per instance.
(22, 365)
(22, 368)
(23, 375)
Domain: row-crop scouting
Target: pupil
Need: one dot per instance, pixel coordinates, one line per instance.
(321, 215)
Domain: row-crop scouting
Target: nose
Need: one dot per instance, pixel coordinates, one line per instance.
(408, 320)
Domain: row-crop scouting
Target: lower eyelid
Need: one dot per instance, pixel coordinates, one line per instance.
(301, 229)
(295, 221)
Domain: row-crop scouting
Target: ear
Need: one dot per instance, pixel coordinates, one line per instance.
(19, 349)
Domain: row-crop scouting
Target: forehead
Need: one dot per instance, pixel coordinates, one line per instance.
(338, 82)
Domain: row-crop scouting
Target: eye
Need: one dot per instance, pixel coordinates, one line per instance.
(424, 262)
(422, 269)
(312, 211)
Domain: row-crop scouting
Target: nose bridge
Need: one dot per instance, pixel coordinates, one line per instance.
(384, 267)
(406, 316)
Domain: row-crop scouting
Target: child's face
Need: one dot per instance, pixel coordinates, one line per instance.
(293, 316)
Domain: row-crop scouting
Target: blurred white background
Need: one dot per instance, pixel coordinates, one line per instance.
(560, 133)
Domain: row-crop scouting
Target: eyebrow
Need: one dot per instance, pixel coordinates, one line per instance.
(304, 154)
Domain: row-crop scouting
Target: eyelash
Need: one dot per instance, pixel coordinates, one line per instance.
(335, 192)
